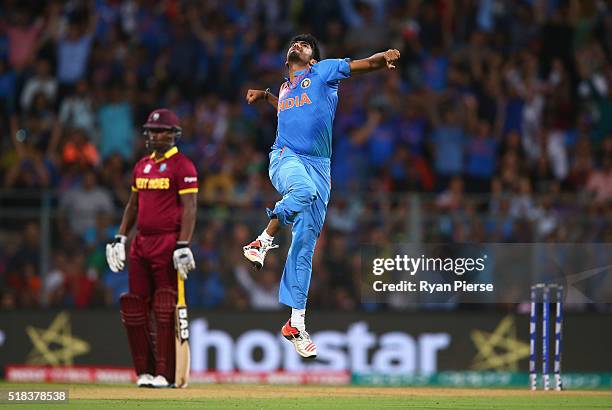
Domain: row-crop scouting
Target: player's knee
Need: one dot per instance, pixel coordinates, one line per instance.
(164, 304)
(306, 192)
(134, 310)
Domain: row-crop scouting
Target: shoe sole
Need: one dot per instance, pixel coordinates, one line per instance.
(256, 264)
(313, 356)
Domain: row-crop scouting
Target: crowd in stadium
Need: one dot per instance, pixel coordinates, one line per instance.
(499, 115)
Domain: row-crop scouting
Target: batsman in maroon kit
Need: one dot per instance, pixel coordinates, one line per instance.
(163, 207)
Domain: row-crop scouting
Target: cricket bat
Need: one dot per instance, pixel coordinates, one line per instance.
(181, 375)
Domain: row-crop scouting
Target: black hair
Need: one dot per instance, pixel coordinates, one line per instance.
(312, 42)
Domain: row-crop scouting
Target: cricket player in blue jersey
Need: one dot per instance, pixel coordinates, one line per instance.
(300, 167)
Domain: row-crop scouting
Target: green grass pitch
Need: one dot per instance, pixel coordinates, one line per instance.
(98, 396)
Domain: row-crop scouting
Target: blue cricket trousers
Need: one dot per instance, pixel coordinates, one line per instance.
(305, 184)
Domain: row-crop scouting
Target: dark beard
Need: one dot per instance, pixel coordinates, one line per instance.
(294, 57)
(159, 146)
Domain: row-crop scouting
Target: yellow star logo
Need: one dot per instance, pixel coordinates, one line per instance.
(58, 334)
(500, 349)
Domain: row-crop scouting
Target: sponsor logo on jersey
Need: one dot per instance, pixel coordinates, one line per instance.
(305, 83)
(152, 183)
(147, 169)
(163, 167)
(190, 179)
(292, 102)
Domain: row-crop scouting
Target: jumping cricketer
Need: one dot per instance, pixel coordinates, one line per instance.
(300, 167)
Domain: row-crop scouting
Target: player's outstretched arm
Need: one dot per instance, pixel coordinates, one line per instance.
(375, 62)
(262, 95)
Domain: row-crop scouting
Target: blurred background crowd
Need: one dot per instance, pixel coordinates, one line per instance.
(496, 126)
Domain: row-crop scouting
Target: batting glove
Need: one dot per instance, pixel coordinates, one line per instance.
(183, 259)
(115, 253)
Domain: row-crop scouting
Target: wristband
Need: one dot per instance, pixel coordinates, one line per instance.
(182, 244)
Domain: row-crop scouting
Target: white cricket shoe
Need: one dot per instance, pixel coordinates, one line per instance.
(301, 341)
(256, 251)
(159, 381)
(144, 380)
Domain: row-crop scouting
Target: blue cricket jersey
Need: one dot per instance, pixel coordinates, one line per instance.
(306, 108)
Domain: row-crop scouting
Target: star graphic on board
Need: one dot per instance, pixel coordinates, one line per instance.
(500, 349)
(46, 342)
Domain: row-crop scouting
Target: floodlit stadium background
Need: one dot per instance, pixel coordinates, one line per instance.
(496, 127)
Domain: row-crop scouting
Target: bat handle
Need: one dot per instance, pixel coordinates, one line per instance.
(180, 284)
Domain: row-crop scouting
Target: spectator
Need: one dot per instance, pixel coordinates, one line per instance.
(206, 287)
(367, 32)
(522, 205)
(600, 182)
(452, 198)
(448, 144)
(42, 82)
(39, 121)
(8, 82)
(54, 279)
(77, 111)
(23, 276)
(79, 150)
(74, 47)
(29, 170)
(116, 125)
(344, 215)
(79, 287)
(24, 38)
(262, 292)
(81, 205)
(481, 157)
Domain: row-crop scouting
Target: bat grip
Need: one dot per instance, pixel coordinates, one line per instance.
(180, 284)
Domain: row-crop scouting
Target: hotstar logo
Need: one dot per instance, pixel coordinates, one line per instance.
(499, 349)
(357, 350)
(58, 333)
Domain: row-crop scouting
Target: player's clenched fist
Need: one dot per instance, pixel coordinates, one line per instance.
(255, 95)
(115, 253)
(391, 56)
(183, 259)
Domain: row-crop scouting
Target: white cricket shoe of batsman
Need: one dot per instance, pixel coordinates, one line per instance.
(256, 251)
(144, 380)
(301, 341)
(159, 381)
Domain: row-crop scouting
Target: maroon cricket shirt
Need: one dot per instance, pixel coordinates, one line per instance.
(159, 184)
